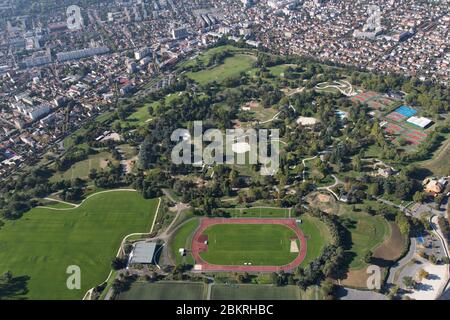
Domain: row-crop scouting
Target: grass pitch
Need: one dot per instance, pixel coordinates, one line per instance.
(258, 244)
(44, 242)
(254, 292)
(318, 236)
(183, 239)
(165, 291)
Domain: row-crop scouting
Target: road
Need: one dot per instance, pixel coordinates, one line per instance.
(403, 262)
(437, 231)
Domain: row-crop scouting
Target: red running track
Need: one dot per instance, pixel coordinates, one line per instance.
(198, 245)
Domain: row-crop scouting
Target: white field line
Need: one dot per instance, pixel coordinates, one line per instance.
(80, 204)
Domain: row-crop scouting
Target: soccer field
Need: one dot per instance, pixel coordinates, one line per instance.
(44, 242)
(258, 244)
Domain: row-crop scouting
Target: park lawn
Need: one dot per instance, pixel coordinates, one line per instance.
(439, 164)
(82, 168)
(259, 244)
(165, 290)
(140, 116)
(277, 71)
(317, 235)
(367, 233)
(183, 239)
(231, 67)
(204, 56)
(58, 205)
(69, 140)
(44, 242)
(258, 212)
(254, 292)
(128, 150)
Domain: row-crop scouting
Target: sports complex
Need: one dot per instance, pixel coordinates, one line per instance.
(248, 245)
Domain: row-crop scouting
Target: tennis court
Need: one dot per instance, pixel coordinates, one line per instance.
(406, 111)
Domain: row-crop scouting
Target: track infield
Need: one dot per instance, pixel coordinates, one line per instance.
(247, 245)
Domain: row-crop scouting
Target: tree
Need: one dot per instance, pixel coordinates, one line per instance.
(423, 274)
(118, 263)
(368, 257)
(356, 163)
(409, 282)
(12, 287)
(373, 190)
(433, 259)
(419, 197)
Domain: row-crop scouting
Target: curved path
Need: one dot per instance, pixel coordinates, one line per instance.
(402, 262)
(76, 205)
(329, 188)
(198, 245)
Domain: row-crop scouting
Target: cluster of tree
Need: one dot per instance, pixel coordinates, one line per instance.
(74, 191)
(328, 265)
(109, 178)
(119, 263)
(337, 232)
(150, 184)
(12, 287)
(218, 57)
(123, 283)
(17, 194)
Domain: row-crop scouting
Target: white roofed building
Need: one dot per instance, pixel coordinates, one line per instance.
(421, 122)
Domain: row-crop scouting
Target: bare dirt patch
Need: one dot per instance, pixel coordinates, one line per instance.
(324, 202)
(393, 247)
(356, 278)
(251, 105)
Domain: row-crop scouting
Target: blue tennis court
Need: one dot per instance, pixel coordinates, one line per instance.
(406, 111)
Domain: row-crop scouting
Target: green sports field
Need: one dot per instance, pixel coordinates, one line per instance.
(165, 290)
(318, 236)
(44, 242)
(259, 244)
(183, 239)
(254, 292)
